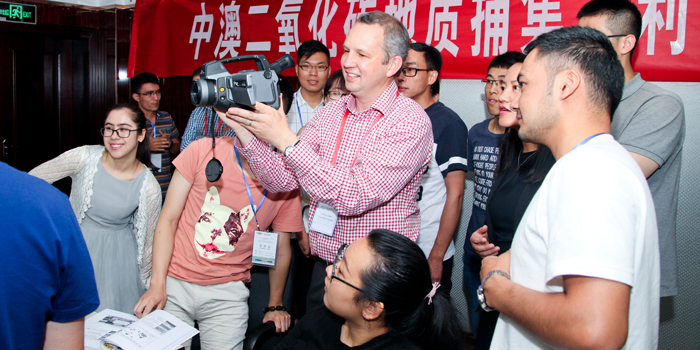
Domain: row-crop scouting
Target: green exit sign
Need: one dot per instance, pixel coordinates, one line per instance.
(20, 13)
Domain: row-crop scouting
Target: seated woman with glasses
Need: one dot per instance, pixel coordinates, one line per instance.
(335, 87)
(379, 295)
(117, 202)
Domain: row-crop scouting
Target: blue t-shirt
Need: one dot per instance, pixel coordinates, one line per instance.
(483, 157)
(46, 270)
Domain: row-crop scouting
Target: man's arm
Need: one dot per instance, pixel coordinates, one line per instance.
(64, 335)
(163, 242)
(175, 146)
(384, 171)
(454, 182)
(278, 279)
(654, 132)
(194, 124)
(591, 313)
(648, 166)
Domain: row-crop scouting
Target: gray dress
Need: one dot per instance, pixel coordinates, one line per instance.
(109, 233)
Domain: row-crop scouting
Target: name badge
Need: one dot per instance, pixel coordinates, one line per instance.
(325, 219)
(157, 160)
(265, 248)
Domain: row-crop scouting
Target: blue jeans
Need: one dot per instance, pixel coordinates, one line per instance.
(472, 268)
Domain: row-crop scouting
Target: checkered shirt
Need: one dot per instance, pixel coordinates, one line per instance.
(195, 127)
(379, 190)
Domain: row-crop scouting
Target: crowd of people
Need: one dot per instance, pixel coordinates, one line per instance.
(359, 178)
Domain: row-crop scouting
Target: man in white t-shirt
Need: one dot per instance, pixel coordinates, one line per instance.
(585, 259)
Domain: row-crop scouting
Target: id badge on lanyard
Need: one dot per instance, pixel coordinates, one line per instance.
(264, 242)
(324, 220)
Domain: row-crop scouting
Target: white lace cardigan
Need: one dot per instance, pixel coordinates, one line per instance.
(81, 165)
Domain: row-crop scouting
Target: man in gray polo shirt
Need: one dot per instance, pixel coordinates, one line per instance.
(649, 123)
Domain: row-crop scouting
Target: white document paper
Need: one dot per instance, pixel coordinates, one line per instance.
(325, 219)
(265, 248)
(157, 160)
(159, 330)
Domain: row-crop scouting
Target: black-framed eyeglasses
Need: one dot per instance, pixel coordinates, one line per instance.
(108, 132)
(150, 93)
(307, 67)
(336, 95)
(617, 35)
(491, 82)
(412, 72)
(335, 264)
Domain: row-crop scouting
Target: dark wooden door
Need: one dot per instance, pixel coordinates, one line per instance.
(43, 98)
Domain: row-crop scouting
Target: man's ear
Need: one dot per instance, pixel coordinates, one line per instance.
(569, 81)
(433, 74)
(395, 64)
(627, 43)
(372, 310)
(135, 96)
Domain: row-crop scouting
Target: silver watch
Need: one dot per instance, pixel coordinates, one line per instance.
(289, 149)
(480, 291)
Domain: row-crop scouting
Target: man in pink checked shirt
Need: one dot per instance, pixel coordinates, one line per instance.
(362, 157)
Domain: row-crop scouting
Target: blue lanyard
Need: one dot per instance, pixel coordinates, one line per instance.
(299, 110)
(250, 196)
(586, 140)
(154, 127)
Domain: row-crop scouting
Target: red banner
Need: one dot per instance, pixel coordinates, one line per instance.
(173, 37)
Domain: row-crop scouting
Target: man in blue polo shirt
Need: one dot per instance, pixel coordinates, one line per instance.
(48, 284)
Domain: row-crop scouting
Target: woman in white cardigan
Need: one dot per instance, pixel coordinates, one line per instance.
(117, 201)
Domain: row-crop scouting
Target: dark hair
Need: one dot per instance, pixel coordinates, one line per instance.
(507, 59)
(139, 79)
(433, 61)
(623, 16)
(143, 153)
(510, 147)
(400, 278)
(310, 48)
(396, 38)
(336, 76)
(197, 71)
(287, 93)
(592, 53)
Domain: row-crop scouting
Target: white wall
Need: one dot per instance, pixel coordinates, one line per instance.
(680, 315)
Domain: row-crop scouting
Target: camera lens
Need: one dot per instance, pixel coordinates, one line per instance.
(196, 92)
(203, 92)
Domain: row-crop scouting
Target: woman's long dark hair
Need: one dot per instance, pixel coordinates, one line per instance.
(400, 278)
(510, 148)
(143, 152)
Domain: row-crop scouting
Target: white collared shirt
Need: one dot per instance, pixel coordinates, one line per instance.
(299, 106)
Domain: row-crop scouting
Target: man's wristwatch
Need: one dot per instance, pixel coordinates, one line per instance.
(480, 291)
(289, 149)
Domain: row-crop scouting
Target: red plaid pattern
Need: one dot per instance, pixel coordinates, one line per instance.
(379, 190)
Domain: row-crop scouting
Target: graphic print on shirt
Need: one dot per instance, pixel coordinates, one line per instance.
(219, 228)
(484, 160)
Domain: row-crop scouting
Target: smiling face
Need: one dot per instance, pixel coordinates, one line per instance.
(509, 98)
(365, 74)
(122, 147)
(339, 297)
(492, 91)
(313, 80)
